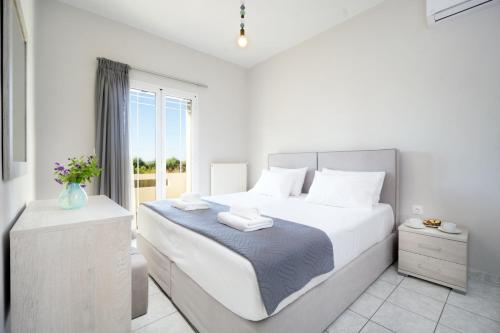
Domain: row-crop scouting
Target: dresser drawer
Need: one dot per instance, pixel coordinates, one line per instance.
(433, 268)
(435, 247)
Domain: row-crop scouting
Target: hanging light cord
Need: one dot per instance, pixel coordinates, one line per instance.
(242, 15)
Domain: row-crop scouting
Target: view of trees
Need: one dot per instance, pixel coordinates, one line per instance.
(172, 165)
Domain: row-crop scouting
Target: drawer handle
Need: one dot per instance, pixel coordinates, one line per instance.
(427, 247)
(428, 269)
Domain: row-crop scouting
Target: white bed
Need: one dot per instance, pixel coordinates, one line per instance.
(230, 279)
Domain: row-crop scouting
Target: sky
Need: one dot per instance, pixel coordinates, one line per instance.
(143, 129)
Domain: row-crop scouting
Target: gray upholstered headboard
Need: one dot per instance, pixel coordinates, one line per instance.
(355, 160)
(368, 160)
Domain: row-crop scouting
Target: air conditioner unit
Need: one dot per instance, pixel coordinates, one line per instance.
(442, 10)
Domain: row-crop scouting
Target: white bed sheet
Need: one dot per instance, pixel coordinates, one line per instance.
(230, 278)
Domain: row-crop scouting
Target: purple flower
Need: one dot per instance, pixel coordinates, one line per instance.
(57, 163)
(58, 181)
(60, 168)
(83, 185)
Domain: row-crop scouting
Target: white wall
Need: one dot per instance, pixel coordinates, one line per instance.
(382, 80)
(69, 42)
(14, 194)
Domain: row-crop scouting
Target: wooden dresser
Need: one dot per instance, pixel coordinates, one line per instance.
(70, 269)
(433, 255)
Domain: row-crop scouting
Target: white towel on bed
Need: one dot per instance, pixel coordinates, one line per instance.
(247, 212)
(194, 205)
(191, 197)
(244, 224)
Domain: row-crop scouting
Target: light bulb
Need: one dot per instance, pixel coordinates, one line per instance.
(242, 41)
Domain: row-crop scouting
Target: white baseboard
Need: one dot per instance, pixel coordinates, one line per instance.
(484, 277)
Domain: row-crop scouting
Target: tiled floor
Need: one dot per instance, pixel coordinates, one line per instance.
(162, 316)
(393, 303)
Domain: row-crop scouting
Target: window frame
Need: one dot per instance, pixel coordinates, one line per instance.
(161, 91)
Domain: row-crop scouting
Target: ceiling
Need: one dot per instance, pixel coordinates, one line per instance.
(212, 26)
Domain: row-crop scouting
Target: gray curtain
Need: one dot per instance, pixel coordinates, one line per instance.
(112, 133)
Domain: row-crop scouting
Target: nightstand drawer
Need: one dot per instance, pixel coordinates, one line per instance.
(448, 272)
(439, 248)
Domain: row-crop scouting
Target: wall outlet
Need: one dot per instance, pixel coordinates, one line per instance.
(417, 209)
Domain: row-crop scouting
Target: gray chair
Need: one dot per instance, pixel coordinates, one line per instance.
(139, 268)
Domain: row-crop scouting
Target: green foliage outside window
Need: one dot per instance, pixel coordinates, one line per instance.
(173, 165)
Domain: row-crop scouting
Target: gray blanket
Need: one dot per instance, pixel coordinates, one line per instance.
(285, 257)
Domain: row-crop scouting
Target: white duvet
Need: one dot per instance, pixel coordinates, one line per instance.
(230, 278)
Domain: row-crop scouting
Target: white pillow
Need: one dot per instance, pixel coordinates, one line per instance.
(373, 179)
(274, 184)
(340, 191)
(299, 175)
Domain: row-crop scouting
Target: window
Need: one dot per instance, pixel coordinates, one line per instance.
(160, 142)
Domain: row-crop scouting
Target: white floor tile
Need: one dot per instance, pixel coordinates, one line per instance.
(366, 305)
(159, 306)
(173, 323)
(391, 275)
(443, 329)
(467, 322)
(400, 320)
(348, 322)
(475, 301)
(486, 308)
(426, 288)
(152, 287)
(380, 289)
(372, 327)
(420, 304)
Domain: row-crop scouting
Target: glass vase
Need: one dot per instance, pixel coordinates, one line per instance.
(73, 196)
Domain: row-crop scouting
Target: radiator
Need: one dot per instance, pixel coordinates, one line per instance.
(228, 178)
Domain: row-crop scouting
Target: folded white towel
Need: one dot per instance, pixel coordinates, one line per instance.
(191, 197)
(242, 223)
(195, 205)
(245, 212)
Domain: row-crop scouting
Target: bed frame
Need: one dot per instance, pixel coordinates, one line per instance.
(317, 308)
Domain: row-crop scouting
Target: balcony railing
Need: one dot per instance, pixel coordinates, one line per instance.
(145, 186)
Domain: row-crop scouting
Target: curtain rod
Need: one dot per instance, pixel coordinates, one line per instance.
(171, 77)
(202, 85)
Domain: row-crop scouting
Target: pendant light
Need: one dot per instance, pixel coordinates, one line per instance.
(242, 39)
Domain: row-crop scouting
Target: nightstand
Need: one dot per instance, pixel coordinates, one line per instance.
(435, 256)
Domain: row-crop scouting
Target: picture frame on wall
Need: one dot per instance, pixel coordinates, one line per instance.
(14, 90)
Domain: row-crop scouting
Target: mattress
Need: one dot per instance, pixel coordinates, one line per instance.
(230, 278)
